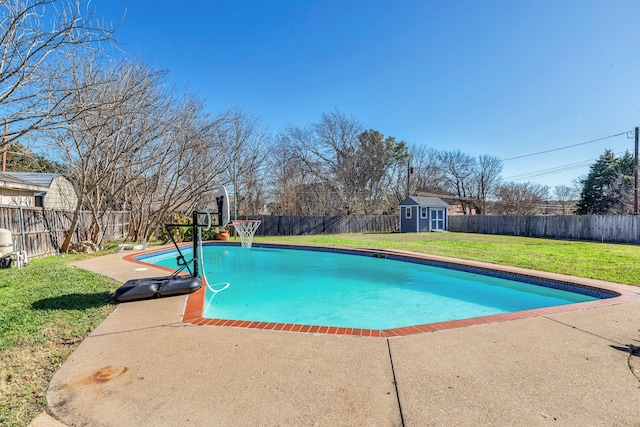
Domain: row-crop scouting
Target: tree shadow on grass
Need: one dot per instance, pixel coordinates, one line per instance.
(74, 301)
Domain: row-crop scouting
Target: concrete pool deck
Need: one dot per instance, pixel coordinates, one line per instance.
(144, 366)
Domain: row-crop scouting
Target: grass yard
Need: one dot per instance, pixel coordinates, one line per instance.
(49, 307)
(46, 310)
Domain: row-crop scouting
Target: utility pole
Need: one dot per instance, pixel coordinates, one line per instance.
(5, 144)
(635, 175)
(409, 172)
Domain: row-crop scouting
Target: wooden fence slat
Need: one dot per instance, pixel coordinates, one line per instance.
(274, 225)
(44, 229)
(601, 228)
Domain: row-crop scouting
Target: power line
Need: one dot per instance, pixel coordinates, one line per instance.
(568, 146)
(557, 169)
(550, 171)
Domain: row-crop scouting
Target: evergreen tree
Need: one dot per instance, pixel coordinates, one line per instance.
(23, 159)
(608, 188)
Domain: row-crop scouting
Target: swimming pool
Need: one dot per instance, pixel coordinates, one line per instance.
(361, 289)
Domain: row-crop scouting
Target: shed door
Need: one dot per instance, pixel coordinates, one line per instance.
(437, 219)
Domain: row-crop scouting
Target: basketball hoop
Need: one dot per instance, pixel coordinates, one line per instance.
(246, 228)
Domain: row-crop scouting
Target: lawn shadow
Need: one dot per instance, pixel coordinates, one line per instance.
(74, 301)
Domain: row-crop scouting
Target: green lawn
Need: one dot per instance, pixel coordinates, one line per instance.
(47, 308)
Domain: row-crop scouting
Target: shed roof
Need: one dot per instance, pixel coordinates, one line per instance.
(7, 180)
(428, 201)
(41, 179)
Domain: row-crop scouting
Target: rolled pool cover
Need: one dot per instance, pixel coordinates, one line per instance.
(153, 287)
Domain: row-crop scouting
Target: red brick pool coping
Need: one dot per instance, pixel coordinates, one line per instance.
(195, 302)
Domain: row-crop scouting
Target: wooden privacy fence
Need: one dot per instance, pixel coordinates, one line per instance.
(300, 225)
(41, 231)
(601, 228)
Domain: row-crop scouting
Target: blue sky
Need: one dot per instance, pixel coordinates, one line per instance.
(505, 78)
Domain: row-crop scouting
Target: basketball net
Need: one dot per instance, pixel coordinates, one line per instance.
(246, 228)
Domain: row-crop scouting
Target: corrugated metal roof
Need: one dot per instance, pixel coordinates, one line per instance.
(41, 179)
(7, 180)
(435, 202)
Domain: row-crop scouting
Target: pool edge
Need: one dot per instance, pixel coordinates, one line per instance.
(195, 302)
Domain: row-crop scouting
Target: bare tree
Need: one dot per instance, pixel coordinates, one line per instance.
(324, 152)
(245, 153)
(34, 36)
(566, 196)
(333, 161)
(428, 175)
(460, 171)
(130, 143)
(349, 170)
(183, 170)
(487, 180)
(286, 177)
(422, 173)
(295, 188)
(100, 141)
(521, 199)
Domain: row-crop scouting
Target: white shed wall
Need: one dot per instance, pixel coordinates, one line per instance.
(9, 197)
(60, 195)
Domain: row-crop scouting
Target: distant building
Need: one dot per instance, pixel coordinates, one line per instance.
(56, 191)
(420, 213)
(18, 192)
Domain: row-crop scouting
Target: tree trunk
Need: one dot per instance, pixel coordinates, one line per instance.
(72, 228)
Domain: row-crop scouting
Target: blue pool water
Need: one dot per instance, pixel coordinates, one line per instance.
(314, 287)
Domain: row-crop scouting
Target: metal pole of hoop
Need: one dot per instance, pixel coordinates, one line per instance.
(246, 228)
(195, 235)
